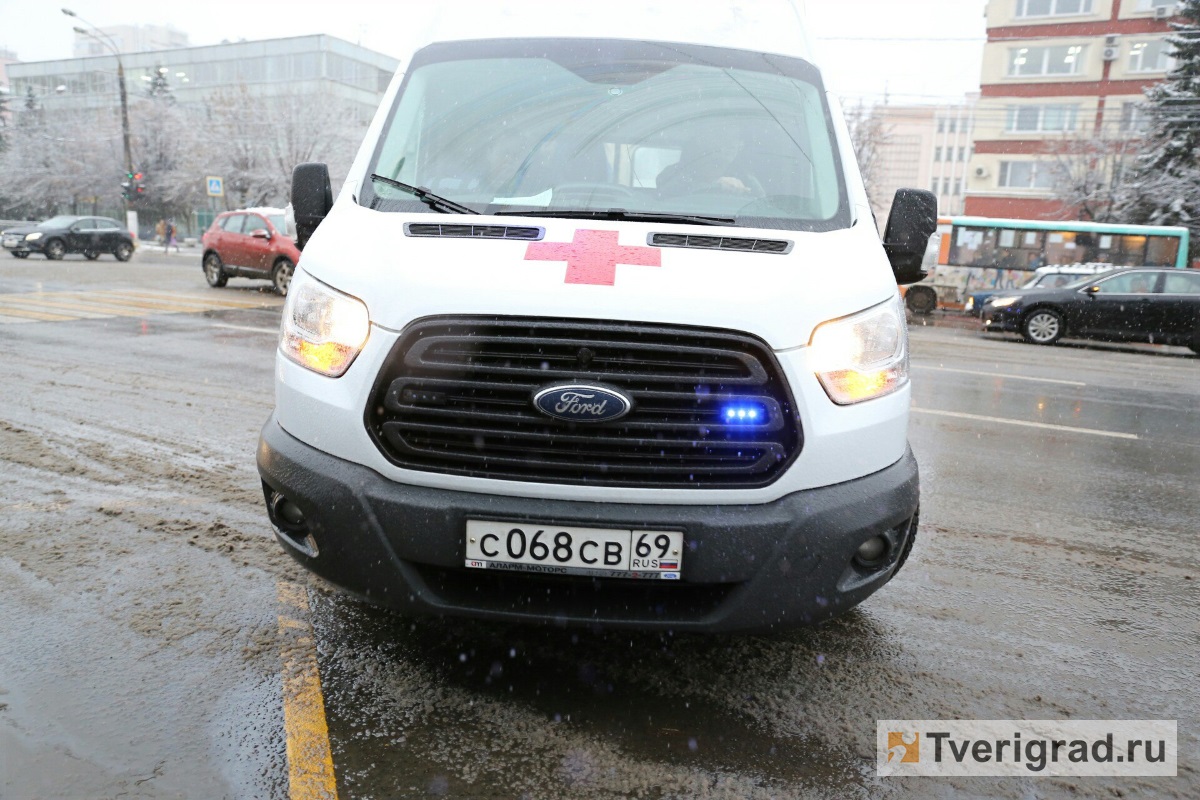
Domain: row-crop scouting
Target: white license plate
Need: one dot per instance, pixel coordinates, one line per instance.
(562, 550)
(10, 242)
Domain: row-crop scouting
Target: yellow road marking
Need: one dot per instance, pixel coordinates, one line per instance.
(205, 300)
(179, 302)
(9, 311)
(65, 306)
(84, 308)
(310, 759)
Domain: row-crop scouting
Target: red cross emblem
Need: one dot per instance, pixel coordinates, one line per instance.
(592, 256)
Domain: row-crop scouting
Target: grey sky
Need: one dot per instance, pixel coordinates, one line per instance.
(919, 51)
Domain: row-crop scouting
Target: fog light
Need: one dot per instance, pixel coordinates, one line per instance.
(291, 513)
(287, 514)
(872, 550)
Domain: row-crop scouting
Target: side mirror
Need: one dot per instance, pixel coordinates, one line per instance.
(1092, 291)
(912, 221)
(312, 197)
(260, 234)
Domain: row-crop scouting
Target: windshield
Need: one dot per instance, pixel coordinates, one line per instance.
(57, 222)
(596, 125)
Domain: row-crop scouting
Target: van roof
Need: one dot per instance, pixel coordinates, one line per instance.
(765, 26)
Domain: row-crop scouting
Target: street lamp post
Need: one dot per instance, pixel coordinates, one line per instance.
(106, 40)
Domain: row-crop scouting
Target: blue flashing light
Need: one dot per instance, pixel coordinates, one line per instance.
(744, 414)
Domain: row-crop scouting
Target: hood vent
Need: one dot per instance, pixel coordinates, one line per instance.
(779, 246)
(527, 234)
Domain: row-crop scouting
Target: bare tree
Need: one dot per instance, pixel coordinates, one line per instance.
(263, 138)
(1091, 173)
(870, 136)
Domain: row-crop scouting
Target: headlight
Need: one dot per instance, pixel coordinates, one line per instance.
(862, 356)
(1003, 302)
(33, 237)
(323, 329)
(970, 306)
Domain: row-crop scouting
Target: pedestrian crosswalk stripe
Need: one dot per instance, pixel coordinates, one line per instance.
(204, 300)
(66, 306)
(38, 315)
(83, 309)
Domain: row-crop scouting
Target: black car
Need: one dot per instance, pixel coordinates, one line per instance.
(1130, 305)
(57, 236)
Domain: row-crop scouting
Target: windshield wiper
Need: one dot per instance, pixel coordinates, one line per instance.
(621, 214)
(434, 201)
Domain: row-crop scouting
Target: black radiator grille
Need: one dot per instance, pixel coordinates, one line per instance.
(456, 396)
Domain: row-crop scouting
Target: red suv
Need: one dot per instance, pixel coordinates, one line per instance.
(252, 243)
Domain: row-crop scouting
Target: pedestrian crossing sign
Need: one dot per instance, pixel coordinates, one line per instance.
(216, 186)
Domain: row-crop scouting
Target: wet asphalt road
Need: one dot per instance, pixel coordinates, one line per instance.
(1055, 576)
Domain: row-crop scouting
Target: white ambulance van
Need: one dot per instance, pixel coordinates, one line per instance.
(599, 331)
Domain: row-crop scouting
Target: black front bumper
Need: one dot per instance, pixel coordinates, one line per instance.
(1004, 319)
(745, 568)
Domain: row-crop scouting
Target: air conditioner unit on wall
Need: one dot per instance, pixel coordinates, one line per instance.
(982, 172)
(1112, 53)
(1112, 39)
(1164, 12)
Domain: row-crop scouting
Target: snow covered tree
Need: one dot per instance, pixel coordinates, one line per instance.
(160, 88)
(1166, 187)
(61, 162)
(170, 151)
(1092, 174)
(262, 138)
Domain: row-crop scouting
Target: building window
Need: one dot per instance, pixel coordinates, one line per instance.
(1041, 118)
(1052, 8)
(958, 187)
(1026, 175)
(1032, 61)
(945, 186)
(1135, 118)
(934, 188)
(937, 154)
(941, 125)
(952, 125)
(962, 154)
(1152, 56)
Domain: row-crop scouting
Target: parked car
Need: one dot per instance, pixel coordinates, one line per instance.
(1143, 305)
(251, 243)
(57, 236)
(1051, 277)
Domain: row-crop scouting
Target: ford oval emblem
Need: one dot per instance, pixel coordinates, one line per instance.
(582, 403)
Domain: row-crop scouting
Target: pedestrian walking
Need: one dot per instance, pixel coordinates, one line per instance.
(160, 231)
(170, 240)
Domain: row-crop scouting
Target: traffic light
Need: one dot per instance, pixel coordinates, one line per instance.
(132, 187)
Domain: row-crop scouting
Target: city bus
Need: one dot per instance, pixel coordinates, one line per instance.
(982, 254)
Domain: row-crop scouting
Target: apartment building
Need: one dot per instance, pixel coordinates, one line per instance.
(923, 147)
(1056, 72)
